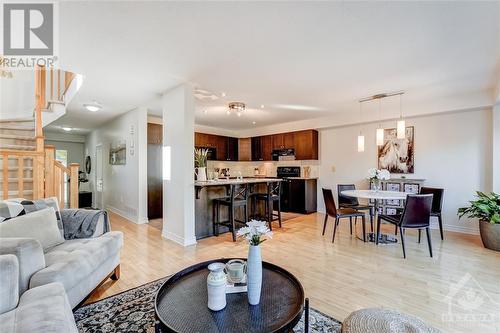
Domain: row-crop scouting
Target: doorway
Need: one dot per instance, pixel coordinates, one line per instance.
(155, 179)
(98, 178)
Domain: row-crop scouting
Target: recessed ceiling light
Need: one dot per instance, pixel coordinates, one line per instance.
(67, 129)
(223, 94)
(93, 107)
(253, 122)
(262, 106)
(205, 111)
(228, 112)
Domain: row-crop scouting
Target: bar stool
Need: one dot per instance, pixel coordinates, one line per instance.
(237, 198)
(272, 195)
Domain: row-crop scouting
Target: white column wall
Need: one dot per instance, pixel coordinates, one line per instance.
(496, 148)
(178, 192)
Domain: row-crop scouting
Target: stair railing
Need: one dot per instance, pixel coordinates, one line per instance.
(48, 174)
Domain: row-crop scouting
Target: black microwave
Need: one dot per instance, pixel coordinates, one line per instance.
(211, 154)
(277, 153)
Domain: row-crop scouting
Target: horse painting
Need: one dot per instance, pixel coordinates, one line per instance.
(396, 155)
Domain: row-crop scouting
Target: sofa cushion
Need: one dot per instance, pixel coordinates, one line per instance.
(42, 309)
(40, 225)
(76, 259)
(10, 209)
(31, 206)
(9, 282)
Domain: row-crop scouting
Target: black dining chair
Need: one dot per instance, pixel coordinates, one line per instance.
(337, 214)
(437, 204)
(351, 202)
(416, 215)
(238, 197)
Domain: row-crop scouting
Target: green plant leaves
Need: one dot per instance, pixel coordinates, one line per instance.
(486, 207)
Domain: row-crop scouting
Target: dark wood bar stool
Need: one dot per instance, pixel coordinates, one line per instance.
(237, 198)
(272, 195)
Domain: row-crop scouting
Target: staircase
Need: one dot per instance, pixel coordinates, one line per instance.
(28, 168)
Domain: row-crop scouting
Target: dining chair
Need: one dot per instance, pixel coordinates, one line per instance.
(351, 202)
(416, 215)
(337, 214)
(437, 204)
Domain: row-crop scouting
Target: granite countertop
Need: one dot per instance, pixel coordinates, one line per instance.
(222, 182)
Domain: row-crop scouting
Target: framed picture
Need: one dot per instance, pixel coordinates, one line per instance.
(393, 187)
(118, 152)
(397, 155)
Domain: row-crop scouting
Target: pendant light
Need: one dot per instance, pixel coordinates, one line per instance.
(401, 125)
(380, 130)
(361, 137)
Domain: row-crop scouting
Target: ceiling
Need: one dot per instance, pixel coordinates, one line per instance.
(300, 60)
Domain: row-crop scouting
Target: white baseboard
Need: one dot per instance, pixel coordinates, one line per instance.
(178, 239)
(127, 216)
(461, 229)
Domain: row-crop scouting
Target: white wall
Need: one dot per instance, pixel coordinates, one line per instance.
(496, 147)
(125, 186)
(452, 151)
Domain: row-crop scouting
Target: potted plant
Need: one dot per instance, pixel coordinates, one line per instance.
(487, 209)
(375, 176)
(200, 161)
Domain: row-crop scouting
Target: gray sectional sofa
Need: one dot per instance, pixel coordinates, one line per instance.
(52, 269)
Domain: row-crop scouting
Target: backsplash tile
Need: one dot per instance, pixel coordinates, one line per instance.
(267, 169)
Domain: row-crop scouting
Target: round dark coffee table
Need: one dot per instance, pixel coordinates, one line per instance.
(181, 303)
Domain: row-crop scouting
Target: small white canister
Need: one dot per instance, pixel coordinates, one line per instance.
(216, 286)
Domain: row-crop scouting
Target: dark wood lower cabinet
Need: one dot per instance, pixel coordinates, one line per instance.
(299, 196)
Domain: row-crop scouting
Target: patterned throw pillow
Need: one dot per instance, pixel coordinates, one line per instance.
(10, 209)
(36, 205)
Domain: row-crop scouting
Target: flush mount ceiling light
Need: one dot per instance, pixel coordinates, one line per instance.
(67, 129)
(93, 107)
(237, 107)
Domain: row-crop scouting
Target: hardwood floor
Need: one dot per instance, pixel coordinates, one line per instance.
(342, 277)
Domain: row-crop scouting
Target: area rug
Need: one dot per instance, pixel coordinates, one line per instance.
(133, 311)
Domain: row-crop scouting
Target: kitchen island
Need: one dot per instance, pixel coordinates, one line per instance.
(206, 191)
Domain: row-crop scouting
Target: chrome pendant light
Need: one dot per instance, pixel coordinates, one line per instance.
(380, 130)
(401, 125)
(361, 137)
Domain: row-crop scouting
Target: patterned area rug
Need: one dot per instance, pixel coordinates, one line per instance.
(133, 311)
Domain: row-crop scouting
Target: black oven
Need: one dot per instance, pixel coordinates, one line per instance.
(286, 173)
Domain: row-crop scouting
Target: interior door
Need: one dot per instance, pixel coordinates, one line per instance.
(99, 184)
(155, 179)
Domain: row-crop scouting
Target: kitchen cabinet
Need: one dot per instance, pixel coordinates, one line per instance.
(221, 146)
(302, 195)
(283, 140)
(231, 149)
(245, 149)
(205, 140)
(155, 134)
(262, 148)
(306, 145)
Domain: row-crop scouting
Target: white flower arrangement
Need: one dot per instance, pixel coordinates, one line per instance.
(255, 231)
(377, 174)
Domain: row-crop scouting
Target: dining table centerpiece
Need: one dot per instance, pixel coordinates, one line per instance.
(255, 233)
(375, 176)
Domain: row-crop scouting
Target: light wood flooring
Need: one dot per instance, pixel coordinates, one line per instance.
(341, 277)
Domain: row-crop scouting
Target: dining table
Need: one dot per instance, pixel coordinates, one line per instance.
(377, 197)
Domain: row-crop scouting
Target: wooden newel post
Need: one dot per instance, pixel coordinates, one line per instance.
(49, 171)
(73, 185)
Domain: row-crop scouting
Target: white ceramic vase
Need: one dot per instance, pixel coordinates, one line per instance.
(216, 286)
(254, 274)
(201, 175)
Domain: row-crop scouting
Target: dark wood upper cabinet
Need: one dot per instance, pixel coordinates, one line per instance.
(155, 134)
(245, 149)
(231, 149)
(256, 149)
(306, 145)
(205, 140)
(283, 140)
(262, 148)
